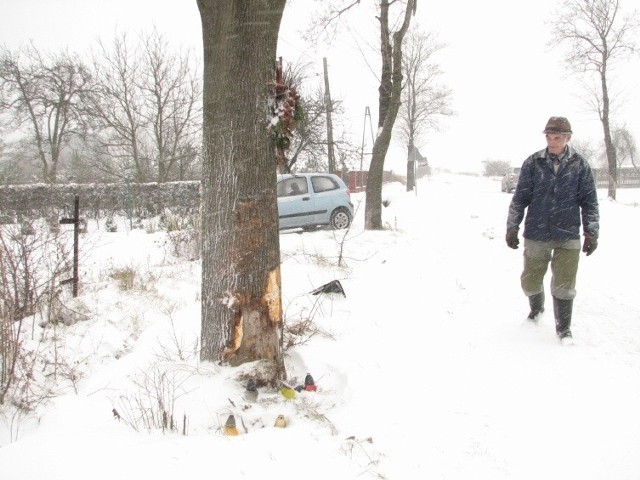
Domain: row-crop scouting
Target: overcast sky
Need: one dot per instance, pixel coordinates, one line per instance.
(505, 80)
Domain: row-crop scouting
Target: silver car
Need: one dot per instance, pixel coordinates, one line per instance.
(510, 179)
(307, 200)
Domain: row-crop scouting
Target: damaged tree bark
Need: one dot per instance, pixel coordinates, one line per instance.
(241, 301)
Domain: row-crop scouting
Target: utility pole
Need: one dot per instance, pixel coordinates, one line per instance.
(367, 114)
(328, 107)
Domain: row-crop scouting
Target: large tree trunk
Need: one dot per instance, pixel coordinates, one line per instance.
(411, 166)
(47, 93)
(373, 196)
(241, 300)
(386, 56)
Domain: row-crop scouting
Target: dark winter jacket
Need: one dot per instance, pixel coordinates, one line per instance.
(555, 202)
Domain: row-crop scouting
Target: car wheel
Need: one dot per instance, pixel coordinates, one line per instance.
(340, 219)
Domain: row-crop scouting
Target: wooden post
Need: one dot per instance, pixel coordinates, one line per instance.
(76, 236)
(328, 107)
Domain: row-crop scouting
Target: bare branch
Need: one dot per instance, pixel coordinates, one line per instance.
(599, 36)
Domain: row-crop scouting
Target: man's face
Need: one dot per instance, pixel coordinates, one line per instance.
(557, 141)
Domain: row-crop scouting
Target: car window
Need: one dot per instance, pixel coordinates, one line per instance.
(292, 186)
(323, 184)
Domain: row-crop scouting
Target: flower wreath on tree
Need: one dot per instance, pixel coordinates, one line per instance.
(286, 111)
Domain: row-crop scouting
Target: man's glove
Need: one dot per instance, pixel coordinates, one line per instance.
(590, 244)
(512, 238)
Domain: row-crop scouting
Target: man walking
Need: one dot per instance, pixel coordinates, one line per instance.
(557, 189)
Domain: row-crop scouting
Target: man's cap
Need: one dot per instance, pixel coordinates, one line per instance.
(557, 125)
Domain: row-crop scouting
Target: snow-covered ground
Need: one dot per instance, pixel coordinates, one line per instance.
(424, 370)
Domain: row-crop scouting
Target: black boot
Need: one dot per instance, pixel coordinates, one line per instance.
(562, 311)
(536, 302)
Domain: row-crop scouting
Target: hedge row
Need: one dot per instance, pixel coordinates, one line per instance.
(133, 199)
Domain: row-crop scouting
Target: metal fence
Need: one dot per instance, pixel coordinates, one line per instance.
(627, 177)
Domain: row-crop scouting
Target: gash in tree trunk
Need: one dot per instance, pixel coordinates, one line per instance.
(241, 299)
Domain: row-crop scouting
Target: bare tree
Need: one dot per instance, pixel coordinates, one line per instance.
(389, 105)
(587, 149)
(308, 144)
(32, 260)
(308, 150)
(625, 146)
(241, 297)
(5, 168)
(45, 94)
(117, 111)
(172, 96)
(389, 91)
(146, 109)
(599, 36)
(424, 100)
(496, 167)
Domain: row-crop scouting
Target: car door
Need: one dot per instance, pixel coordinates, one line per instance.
(295, 203)
(325, 188)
